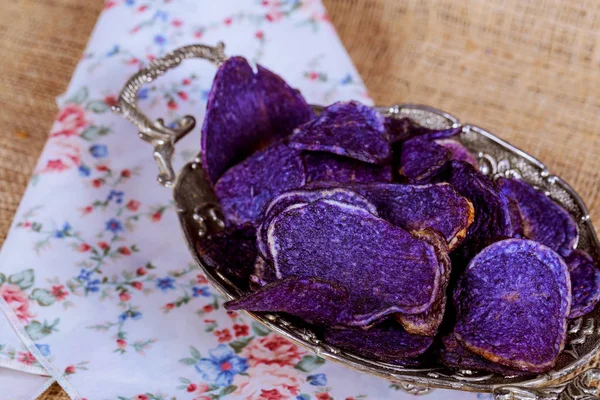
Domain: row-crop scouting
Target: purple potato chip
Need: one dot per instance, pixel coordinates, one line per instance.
(316, 301)
(384, 342)
(385, 269)
(348, 129)
(286, 107)
(421, 160)
(414, 208)
(516, 219)
(308, 194)
(245, 188)
(458, 150)
(399, 129)
(543, 220)
(512, 305)
(433, 134)
(428, 322)
(427, 359)
(322, 166)
(301, 197)
(246, 112)
(585, 282)
(494, 218)
(425, 323)
(454, 355)
(232, 252)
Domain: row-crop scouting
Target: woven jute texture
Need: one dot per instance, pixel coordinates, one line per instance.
(527, 70)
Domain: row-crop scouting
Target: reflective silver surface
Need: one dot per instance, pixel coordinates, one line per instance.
(163, 138)
(199, 213)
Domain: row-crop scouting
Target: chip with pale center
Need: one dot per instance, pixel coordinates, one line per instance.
(384, 268)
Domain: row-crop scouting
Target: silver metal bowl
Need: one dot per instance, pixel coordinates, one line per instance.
(199, 214)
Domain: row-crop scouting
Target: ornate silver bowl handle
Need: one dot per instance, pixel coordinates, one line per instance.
(161, 137)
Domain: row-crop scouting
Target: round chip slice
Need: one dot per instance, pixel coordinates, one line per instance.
(384, 342)
(512, 305)
(585, 282)
(543, 220)
(384, 268)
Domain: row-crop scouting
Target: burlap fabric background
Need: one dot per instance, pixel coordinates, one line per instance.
(528, 70)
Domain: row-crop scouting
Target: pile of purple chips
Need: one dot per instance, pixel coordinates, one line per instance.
(384, 235)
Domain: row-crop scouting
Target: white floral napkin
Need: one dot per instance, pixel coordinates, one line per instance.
(97, 286)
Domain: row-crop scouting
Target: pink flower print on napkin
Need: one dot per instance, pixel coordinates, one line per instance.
(269, 382)
(272, 349)
(17, 300)
(71, 121)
